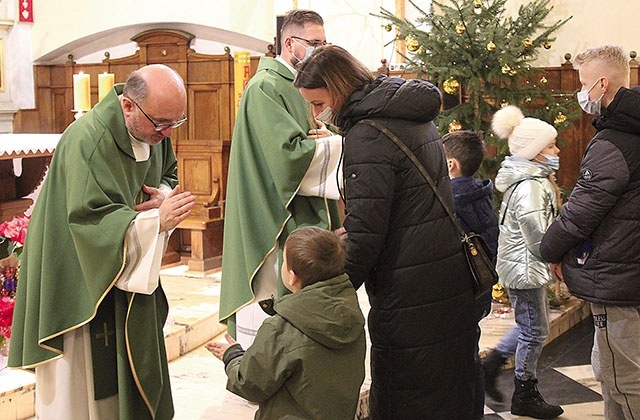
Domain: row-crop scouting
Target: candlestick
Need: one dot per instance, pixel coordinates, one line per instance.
(81, 92)
(105, 83)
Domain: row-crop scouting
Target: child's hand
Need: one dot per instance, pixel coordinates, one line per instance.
(218, 349)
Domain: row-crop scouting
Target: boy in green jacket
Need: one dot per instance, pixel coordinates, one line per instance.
(307, 360)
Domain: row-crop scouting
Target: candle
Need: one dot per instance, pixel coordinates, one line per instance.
(105, 83)
(81, 92)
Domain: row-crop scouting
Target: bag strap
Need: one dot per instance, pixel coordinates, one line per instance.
(421, 169)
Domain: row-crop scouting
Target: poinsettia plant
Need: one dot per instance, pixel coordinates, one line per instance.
(12, 236)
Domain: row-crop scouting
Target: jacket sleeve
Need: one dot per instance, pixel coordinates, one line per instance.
(603, 178)
(533, 211)
(263, 369)
(369, 188)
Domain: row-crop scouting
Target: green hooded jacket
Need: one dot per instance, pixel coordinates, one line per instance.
(307, 361)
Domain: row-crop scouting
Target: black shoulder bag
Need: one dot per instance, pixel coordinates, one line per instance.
(475, 248)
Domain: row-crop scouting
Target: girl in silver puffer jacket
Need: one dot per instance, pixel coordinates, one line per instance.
(529, 205)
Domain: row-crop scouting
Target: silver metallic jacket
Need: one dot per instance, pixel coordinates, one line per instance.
(528, 207)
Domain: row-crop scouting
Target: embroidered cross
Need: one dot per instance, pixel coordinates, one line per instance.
(105, 334)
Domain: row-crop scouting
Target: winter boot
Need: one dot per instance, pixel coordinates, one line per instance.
(491, 367)
(527, 401)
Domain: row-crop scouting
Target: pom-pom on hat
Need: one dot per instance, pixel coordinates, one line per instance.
(526, 136)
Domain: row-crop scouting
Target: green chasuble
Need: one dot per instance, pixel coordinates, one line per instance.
(74, 253)
(270, 154)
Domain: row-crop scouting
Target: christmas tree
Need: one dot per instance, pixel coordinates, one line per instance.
(481, 60)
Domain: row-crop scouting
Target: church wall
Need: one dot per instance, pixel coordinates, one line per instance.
(348, 23)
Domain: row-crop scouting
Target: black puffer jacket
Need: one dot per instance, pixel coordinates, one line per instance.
(602, 216)
(404, 248)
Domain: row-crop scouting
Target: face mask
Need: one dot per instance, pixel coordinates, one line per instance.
(307, 53)
(327, 116)
(552, 162)
(587, 105)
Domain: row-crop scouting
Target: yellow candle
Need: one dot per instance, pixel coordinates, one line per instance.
(105, 83)
(81, 92)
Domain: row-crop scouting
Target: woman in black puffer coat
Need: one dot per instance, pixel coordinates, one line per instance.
(401, 243)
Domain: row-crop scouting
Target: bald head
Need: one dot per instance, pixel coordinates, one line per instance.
(155, 82)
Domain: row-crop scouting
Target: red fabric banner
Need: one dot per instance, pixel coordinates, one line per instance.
(26, 10)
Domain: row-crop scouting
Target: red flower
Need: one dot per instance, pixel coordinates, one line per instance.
(6, 315)
(15, 229)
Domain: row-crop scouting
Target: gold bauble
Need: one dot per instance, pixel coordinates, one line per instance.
(455, 126)
(451, 86)
(560, 118)
(504, 103)
(527, 99)
(388, 27)
(460, 28)
(543, 80)
(512, 72)
(527, 43)
(506, 69)
(477, 6)
(547, 45)
(491, 46)
(412, 43)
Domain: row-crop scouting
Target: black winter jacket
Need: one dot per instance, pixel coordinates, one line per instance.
(597, 234)
(405, 249)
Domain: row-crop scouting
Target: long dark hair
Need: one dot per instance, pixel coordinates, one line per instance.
(333, 68)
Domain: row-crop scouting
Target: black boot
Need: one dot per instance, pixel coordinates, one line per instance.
(491, 367)
(527, 401)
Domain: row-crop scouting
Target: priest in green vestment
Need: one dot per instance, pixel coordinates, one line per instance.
(90, 311)
(282, 174)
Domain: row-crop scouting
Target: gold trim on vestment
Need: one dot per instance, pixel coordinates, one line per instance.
(131, 364)
(86, 321)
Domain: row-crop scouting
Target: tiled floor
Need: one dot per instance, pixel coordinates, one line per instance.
(198, 379)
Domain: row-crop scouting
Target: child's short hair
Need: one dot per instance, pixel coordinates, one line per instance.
(467, 148)
(314, 254)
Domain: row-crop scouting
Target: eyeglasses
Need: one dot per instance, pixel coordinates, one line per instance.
(161, 126)
(314, 44)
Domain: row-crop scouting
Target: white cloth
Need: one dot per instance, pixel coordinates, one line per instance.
(324, 176)
(64, 387)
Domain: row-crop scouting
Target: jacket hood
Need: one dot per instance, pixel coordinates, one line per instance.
(623, 113)
(467, 190)
(327, 312)
(391, 97)
(515, 169)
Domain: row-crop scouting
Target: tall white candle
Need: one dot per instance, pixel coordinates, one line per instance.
(105, 83)
(81, 92)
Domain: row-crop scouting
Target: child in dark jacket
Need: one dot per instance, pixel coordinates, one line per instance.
(473, 205)
(307, 360)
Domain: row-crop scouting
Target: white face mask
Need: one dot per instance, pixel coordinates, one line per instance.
(587, 105)
(327, 116)
(307, 53)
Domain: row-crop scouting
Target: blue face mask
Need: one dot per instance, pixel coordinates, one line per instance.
(552, 162)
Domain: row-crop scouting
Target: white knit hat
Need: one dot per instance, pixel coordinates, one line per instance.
(526, 136)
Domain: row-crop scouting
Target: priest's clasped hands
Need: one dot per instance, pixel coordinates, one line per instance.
(173, 208)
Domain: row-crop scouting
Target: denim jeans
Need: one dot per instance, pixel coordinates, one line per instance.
(525, 340)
